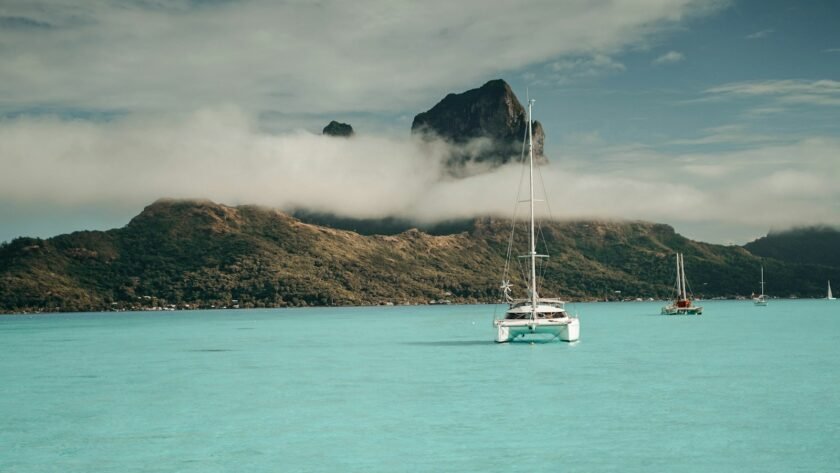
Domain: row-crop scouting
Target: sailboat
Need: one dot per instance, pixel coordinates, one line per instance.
(761, 299)
(533, 316)
(829, 296)
(682, 305)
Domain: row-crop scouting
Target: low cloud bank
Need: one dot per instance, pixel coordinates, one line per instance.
(222, 154)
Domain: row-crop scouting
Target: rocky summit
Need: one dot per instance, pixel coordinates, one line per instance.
(487, 124)
(335, 128)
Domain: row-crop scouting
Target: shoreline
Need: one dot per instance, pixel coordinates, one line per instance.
(194, 307)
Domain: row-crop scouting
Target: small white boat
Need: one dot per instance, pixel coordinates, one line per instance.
(682, 305)
(761, 299)
(533, 316)
(829, 296)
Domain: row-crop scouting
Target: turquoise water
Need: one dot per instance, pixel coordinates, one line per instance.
(422, 389)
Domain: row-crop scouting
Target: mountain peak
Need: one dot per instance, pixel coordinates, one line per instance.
(491, 113)
(335, 128)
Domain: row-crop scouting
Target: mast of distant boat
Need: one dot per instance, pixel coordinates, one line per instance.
(683, 287)
(679, 279)
(762, 282)
(532, 243)
(682, 276)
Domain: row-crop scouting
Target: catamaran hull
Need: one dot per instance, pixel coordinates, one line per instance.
(566, 331)
(682, 310)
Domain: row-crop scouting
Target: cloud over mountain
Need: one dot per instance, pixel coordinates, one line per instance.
(221, 154)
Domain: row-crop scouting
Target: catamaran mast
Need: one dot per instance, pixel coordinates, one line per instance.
(531, 241)
(682, 274)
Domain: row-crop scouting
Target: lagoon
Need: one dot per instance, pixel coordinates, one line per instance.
(422, 389)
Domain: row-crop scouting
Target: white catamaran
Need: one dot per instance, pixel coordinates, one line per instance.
(534, 316)
(829, 296)
(761, 299)
(682, 305)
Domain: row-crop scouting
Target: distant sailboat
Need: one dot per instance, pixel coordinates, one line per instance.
(761, 299)
(829, 296)
(534, 315)
(682, 305)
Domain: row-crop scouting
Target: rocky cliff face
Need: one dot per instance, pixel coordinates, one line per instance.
(487, 124)
(338, 129)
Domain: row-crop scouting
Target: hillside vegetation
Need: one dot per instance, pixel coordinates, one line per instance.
(815, 245)
(202, 254)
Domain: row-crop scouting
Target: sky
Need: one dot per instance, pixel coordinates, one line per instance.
(718, 117)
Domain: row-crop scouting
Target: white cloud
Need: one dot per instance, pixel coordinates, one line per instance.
(727, 134)
(669, 58)
(800, 92)
(220, 154)
(709, 170)
(192, 77)
(764, 111)
(572, 69)
(791, 184)
(760, 34)
(292, 57)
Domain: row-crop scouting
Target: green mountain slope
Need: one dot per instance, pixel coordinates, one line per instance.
(816, 245)
(205, 254)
